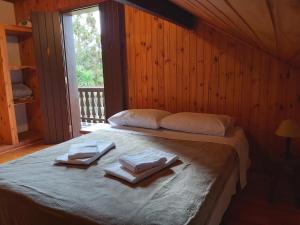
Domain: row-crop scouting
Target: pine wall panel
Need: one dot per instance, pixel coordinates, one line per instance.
(171, 68)
(208, 71)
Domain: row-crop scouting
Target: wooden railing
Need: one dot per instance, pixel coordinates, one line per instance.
(91, 101)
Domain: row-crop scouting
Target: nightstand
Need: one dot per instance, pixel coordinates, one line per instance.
(285, 166)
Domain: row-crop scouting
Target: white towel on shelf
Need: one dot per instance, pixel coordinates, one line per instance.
(142, 161)
(117, 170)
(88, 149)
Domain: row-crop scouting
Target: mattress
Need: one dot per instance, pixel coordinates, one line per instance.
(35, 191)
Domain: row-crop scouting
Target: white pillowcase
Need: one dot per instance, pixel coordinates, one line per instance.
(201, 123)
(146, 118)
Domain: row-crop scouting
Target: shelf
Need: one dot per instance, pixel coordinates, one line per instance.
(17, 30)
(24, 101)
(20, 67)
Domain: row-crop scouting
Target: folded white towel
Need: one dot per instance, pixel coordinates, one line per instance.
(117, 170)
(141, 161)
(84, 161)
(88, 149)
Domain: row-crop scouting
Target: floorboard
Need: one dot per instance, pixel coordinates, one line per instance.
(252, 207)
(13, 154)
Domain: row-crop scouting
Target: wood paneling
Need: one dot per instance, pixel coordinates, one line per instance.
(208, 71)
(270, 24)
(8, 127)
(23, 8)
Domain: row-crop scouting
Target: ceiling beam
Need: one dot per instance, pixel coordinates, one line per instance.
(164, 9)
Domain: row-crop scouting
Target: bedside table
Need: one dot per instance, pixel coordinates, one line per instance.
(288, 166)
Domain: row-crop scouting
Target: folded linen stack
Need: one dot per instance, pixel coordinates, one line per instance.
(85, 153)
(136, 167)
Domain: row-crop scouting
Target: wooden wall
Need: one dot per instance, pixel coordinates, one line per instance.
(205, 71)
(208, 71)
(23, 8)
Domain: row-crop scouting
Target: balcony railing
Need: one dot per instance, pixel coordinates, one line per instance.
(91, 101)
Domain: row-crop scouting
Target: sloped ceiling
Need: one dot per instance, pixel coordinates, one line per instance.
(273, 25)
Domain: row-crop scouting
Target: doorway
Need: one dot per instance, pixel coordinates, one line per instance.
(86, 28)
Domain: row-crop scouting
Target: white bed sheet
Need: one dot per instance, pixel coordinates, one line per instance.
(235, 137)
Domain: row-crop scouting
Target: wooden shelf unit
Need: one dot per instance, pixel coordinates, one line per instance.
(8, 126)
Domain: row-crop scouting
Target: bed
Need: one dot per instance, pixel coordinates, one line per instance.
(195, 190)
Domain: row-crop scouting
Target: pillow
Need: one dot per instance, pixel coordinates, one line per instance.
(201, 123)
(146, 118)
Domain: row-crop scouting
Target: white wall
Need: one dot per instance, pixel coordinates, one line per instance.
(7, 16)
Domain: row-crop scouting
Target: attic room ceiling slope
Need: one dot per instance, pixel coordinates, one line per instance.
(273, 25)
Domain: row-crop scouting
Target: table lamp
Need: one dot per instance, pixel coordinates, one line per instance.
(288, 129)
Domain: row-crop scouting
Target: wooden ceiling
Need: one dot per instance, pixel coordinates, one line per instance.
(273, 25)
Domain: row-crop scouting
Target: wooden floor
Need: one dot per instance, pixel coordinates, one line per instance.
(19, 152)
(249, 207)
(27, 138)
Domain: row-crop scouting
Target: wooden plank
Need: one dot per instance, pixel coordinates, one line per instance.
(8, 127)
(193, 81)
(143, 55)
(21, 67)
(138, 66)
(155, 84)
(173, 68)
(213, 91)
(185, 76)
(17, 30)
(207, 68)
(148, 65)
(200, 69)
(167, 66)
(160, 65)
(130, 50)
(179, 69)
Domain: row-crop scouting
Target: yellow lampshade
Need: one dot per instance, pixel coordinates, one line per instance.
(288, 128)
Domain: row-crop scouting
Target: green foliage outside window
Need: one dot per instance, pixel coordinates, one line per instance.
(88, 49)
